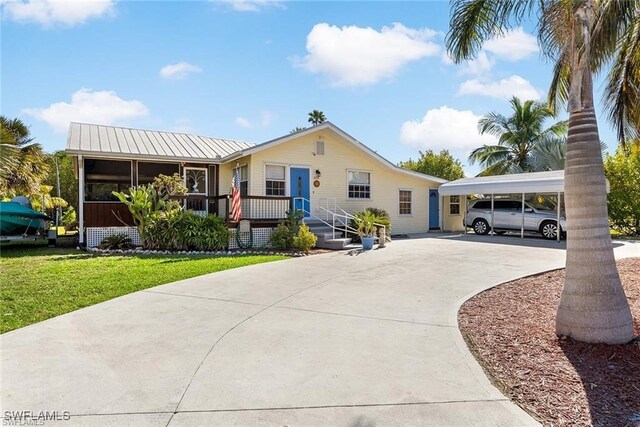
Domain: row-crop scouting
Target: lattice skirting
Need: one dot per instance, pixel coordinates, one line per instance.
(260, 237)
(96, 234)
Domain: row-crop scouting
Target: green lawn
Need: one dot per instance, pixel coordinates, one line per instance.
(39, 282)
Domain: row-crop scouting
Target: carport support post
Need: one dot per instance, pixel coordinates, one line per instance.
(558, 220)
(522, 227)
(464, 214)
(80, 200)
(492, 215)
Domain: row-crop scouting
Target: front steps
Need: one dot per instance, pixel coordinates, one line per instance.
(325, 236)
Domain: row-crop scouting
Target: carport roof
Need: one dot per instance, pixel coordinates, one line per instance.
(534, 182)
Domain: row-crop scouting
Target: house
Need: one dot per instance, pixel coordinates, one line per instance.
(321, 170)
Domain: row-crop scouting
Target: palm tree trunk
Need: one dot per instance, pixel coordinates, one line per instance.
(593, 306)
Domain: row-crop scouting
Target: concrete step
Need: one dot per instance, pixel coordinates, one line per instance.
(335, 244)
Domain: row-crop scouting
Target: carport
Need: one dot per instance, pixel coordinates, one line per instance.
(551, 182)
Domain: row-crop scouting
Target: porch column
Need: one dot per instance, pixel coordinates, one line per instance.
(80, 200)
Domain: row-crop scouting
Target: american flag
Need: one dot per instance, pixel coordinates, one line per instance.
(236, 210)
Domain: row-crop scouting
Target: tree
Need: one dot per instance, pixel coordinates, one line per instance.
(296, 129)
(24, 164)
(623, 173)
(68, 180)
(582, 37)
(316, 117)
(441, 165)
(518, 135)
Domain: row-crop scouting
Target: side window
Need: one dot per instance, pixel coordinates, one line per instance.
(454, 205)
(500, 205)
(482, 205)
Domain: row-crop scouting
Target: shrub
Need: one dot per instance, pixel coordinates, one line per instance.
(69, 218)
(294, 217)
(178, 230)
(305, 239)
(623, 201)
(281, 237)
(116, 241)
(382, 217)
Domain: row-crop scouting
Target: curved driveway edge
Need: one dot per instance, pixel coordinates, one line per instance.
(341, 339)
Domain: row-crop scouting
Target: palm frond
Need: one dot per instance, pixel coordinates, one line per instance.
(622, 91)
(474, 21)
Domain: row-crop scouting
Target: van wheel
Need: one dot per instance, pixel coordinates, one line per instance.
(549, 230)
(480, 226)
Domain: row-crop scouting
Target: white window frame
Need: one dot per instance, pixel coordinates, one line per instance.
(370, 184)
(286, 177)
(410, 190)
(452, 203)
(320, 143)
(206, 179)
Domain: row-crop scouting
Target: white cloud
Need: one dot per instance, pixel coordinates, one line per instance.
(253, 5)
(513, 45)
(503, 89)
(445, 128)
(103, 107)
(266, 117)
(179, 70)
(242, 122)
(51, 12)
(352, 56)
(482, 65)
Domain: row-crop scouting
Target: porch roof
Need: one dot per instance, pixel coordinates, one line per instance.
(112, 141)
(534, 182)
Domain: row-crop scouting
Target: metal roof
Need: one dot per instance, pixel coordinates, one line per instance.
(534, 182)
(123, 142)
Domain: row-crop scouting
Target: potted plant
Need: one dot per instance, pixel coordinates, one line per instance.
(366, 228)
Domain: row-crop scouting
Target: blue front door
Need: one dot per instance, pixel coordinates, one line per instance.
(434, 209)
(299, 183)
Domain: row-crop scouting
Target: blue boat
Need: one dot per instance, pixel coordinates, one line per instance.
(17, 218)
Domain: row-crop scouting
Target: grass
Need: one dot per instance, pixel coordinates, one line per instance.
(38, 283)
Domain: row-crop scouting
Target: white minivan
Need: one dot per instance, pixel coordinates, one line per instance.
(507, 216)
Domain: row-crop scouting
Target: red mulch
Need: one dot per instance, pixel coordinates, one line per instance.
(510, 329)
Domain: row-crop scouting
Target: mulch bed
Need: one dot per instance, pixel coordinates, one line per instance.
(510, 329)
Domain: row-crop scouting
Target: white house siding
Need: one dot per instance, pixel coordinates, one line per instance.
(341, 156)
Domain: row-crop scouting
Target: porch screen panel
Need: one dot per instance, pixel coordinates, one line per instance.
(103, 177)
(148, 171)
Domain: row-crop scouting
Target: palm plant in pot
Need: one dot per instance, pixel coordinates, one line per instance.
(366, 228)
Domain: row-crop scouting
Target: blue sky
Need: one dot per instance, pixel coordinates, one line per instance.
(252, 70)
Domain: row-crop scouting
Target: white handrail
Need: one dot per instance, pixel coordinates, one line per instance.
(345, 223)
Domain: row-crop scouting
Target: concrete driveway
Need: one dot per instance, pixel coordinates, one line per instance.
(346, 339)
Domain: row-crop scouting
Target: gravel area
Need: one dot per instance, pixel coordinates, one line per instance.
(510, 329)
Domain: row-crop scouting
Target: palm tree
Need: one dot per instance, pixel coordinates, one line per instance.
(518, 135)
(583, 37)
(316, 117)
(24, 164)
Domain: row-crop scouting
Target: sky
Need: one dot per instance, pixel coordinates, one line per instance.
(252, 70)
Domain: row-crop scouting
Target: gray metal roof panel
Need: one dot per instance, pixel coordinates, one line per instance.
(104, 140)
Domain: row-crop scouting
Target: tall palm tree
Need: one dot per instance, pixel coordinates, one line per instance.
(24, 164)
(316, 117)
(518, 135)
(583, 36)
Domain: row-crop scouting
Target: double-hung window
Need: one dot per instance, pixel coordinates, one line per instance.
(404, 202)
(454, 205)
(275, 182)
(244, 180)
(359, 185)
